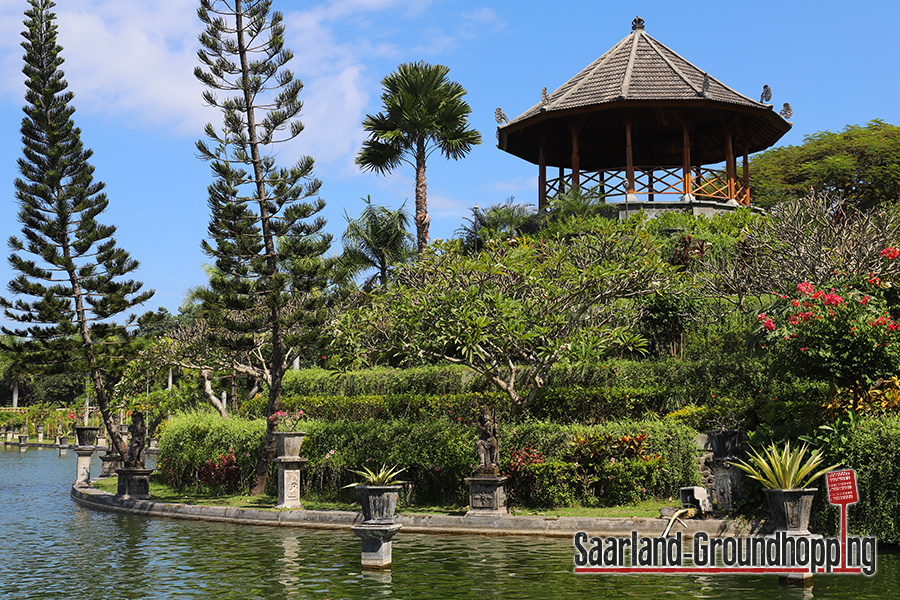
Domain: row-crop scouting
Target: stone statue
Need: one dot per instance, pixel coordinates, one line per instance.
(488, 446)
(138, 431)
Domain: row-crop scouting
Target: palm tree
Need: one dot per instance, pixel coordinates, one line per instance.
(423, 112)
(377, 239)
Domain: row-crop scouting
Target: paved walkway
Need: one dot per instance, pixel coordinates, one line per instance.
(437, 524)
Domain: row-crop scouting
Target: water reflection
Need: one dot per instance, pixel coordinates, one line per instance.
(54, 549)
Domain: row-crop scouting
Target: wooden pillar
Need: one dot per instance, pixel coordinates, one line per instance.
(576, 157)
(650, 182)
(562, 181)
(629, 158)
(686, 159)
(542, 174)
(746, 198)
(729, 161)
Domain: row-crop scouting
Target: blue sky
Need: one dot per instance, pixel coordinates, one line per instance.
(130, 62)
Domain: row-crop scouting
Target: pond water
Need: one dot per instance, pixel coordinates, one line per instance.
(53, 548)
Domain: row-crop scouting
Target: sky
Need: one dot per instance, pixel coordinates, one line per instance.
(130, 65)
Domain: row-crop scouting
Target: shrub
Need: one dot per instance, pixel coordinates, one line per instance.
(203, 450)
(436, 454)
(873, 450)
(429, 380)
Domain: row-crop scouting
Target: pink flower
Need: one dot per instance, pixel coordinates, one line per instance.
(805, 288)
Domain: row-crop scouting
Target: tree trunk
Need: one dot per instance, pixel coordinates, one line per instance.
(15, 391)
(422, 219)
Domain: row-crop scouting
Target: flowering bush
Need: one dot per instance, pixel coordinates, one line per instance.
(843, 335)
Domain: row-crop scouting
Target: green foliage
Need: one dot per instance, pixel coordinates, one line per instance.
(436, 379)
(860, 163)
(510, 312)
(872, 451)
(203, 450)
(549, 484)
(437, 455)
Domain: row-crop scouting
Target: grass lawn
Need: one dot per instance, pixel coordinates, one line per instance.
(160, 492)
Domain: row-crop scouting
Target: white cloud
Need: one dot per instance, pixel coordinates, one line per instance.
(481, 21)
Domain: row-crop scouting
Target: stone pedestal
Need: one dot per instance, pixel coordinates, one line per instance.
(376, 544)
(487, 496)
(40, 434)
(84, 464)
(101, 442)
(728, 482)
(154, 443)
(134, 484)
(63, 444)
(289, 481)
(23, 443)
(9, 435)
(111, 462)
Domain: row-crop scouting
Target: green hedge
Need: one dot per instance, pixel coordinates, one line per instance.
(432, 380)
(616, 389)
(873, 452)
(673, 442)
(203, 450)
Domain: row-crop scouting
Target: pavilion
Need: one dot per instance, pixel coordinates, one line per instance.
(641, 122)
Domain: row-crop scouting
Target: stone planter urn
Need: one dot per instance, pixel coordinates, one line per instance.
(86, 436)
(134, 484)
(288, 443)
(63, 444)
(726, 443)
(790, 509)
(378, 503)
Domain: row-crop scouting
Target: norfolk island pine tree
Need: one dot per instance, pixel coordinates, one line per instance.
(67, 262)
(266, 298)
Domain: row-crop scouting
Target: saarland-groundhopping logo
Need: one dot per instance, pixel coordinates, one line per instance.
(781, 553)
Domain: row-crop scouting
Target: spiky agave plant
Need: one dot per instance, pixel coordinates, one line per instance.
(383, 477)
(784, 469)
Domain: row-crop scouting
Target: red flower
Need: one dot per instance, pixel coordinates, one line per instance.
(890, 253)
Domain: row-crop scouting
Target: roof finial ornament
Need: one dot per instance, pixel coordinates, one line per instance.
(766, 95)
(786, 112)
(638, 23)
(500, 116)
(545, 97)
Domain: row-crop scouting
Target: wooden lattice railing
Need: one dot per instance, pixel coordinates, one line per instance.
(706, 184)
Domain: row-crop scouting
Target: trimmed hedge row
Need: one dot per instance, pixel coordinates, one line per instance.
(437, 455)
(873, 452)
(617, 389)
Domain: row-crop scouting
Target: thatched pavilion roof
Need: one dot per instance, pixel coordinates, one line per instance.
(641, 79)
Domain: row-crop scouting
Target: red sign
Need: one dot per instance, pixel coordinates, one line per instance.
(842, 487)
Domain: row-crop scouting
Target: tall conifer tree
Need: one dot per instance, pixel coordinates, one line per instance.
(266, 242)
(68, 263)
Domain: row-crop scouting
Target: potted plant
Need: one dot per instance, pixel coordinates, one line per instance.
(378, 494)
(288, 442)
(786, 475)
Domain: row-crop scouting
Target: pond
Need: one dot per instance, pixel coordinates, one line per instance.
(53, 548)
